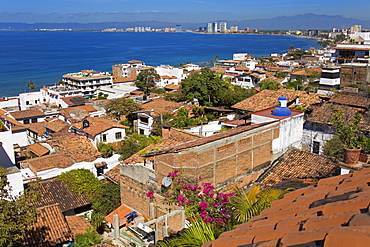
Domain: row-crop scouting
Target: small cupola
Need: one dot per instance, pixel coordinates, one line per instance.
(282, 110)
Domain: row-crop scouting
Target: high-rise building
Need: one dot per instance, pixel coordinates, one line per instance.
(214, 27)
(209, 27)
(178, 28)
(223, 27)
(356, 28)
(234, 29)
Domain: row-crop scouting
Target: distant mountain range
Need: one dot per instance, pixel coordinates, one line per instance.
(300, 22)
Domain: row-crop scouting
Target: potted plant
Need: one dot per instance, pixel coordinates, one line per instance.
(349, 133)
(365, 149)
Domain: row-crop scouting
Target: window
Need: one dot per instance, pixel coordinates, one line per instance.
(34, 120)
(141, 132)
(104, 137)
(27, 102)
(26, 121)
(118, 135)
(316, 147)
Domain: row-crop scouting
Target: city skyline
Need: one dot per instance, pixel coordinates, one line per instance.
(181, 11)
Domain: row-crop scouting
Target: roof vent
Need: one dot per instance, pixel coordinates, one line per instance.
(282, 110)
(85, 124)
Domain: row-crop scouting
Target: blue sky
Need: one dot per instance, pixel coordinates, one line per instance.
(84, 11)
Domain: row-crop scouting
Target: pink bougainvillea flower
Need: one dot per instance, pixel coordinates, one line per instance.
(150, 194)
(203, 205)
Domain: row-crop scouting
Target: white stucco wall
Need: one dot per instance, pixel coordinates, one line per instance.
(33, 98)
(15, 180)
(110, 136)
(20, 138)
(9, 102)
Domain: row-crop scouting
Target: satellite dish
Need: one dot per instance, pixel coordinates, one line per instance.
(166, 181)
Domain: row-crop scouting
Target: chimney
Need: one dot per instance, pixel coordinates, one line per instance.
(166, 131)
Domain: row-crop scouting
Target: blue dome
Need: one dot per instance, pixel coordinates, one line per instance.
(281, 111)
(282, 97)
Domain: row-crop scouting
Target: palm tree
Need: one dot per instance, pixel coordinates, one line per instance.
(89, 238)
(245, 205)
(195, 235)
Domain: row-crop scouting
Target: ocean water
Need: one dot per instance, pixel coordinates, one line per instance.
(44, 57)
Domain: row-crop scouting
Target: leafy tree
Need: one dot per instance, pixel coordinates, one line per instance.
(145, 80)
(270, 84)
(339, 38)
(204, 87)
(281, 74)
(17, 215)
(110, 197)
(294, 84)
(106, 149)
(31, 85)
(82, 182)
(89, 238)
(102, 96)
(158, 90)
(134, 143)
(325, 43)
(117, 108)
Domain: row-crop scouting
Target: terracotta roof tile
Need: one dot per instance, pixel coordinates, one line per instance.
(42, 127)
(27, 113)
(38, 149)
(78, 149)
(98, 125)
(300, 164)
(47, 162)
(51, 228)
(160, 106)
(322, 222)
(322, 113)
(122, 211)
(348, 236)
(77, 224)
(55, 191)
(351, 99)
(268, 98)
(15, 125)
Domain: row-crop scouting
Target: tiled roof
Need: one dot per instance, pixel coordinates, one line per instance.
(40, 127)
(27, 113)
(160, 106)
(122, 211)
(335, 212)
(14, 123)
(98, 125)
(79, 149)
(205, 140)
(268, 99)
(298, 164)
(51, 228)
(55, 191)
(74, 100)
(306, 72)
(38, 149)
(172, 87)
(351, 99)
(88, 108)
(47, 162)
(77, 224)
(322, 113)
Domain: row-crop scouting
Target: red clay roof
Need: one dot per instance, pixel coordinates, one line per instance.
(157, 107)
(77, 224)
(27, 113)
(38, 149)
(297, 164)
(47, 162)
(55, 191)
(98, 125)
(351, 99)
(335, 212)
(40, 127)
(268, 98)
(51, 228)
(122, 211)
